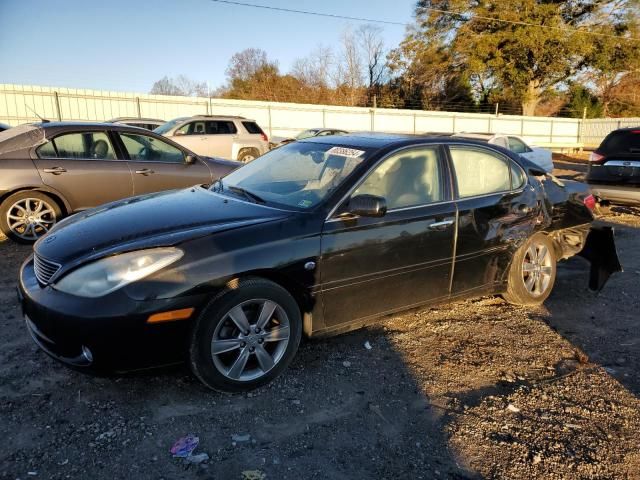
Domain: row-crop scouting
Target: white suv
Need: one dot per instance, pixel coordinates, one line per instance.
(234, 138)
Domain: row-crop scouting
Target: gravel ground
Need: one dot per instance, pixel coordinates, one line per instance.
(475, 389)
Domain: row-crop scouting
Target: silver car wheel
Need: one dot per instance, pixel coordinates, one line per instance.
(248, 158)
(537, 269)
(250, 340)
(30, 218)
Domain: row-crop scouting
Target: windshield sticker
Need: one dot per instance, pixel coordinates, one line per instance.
(305, 203)
(345, 152)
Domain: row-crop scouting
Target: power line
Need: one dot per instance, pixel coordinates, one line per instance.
(435, 10)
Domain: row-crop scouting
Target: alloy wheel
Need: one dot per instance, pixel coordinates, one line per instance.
(537, 269)
(30, 218)
(250, 340)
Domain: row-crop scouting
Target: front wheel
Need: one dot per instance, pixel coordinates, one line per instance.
(247, 155)
(532, 273)
(245, 337)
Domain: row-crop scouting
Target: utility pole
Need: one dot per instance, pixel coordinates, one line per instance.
(497, 108)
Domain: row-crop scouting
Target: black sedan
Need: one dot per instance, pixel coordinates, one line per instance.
(315, 238)
(614, 167)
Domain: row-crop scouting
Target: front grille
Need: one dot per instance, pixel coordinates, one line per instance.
(44, 269)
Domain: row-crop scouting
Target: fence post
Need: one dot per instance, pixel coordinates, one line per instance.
(551, 134)
(269, 113)
(454, 124)
(581, 129)
(138, 106)
(324, 118)
(57, 102)
(373, 122)
(497, 109)
(414, 123)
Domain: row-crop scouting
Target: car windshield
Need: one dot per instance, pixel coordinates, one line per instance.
(165, 127)
(299, 174)
(306, 134)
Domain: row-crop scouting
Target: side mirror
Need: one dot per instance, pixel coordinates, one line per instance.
(179, 133)
(190, 159)
(368, 206)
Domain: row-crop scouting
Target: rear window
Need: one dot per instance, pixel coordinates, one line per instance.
(252, 127)
(624, 141)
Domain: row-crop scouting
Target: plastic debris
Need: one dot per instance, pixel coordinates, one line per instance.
(184, 446)
(240, 438)
(346, 363)
(367, 345)
(197, 459)
(253, 475)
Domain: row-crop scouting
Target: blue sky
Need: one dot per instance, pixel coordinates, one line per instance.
(128, 44)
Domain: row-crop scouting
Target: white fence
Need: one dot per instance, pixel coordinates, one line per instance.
(21, 103)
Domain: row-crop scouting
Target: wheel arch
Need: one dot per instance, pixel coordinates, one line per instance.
(54, 194)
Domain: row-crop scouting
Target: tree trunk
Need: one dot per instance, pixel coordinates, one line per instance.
(531, 99)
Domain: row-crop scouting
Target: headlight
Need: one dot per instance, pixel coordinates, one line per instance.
(101, 277)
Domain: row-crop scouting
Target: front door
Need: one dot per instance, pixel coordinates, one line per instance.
(83, 167)
(371, 266)
(157, 165)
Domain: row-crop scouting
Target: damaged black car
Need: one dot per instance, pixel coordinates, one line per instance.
(318, 237)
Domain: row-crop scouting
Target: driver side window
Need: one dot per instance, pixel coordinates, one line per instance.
(406, 179)
(143, 148)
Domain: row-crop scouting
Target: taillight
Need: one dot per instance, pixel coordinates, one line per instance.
(264, 137)
(590, 202)
(595, 157)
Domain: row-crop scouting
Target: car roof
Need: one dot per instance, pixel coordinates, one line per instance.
(379, 140)
(476, 135)
(135, 119)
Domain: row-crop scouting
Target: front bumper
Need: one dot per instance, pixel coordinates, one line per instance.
(108, 334)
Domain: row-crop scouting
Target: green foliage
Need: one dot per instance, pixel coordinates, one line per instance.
(581, 100)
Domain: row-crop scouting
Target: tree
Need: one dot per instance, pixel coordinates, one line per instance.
(527, 60)
(180, 85)
(582, 101)
(243, 65)
(372, 45)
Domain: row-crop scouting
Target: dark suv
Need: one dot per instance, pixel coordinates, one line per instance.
(614, 168)
(50, 170)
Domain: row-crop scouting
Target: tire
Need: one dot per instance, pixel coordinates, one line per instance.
(532, 273)
(26, 216)
(225, 371)
(247, 155)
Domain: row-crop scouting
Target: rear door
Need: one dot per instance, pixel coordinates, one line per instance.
(493, 200)
(84, 168)
(371, 266)
(221, 136)
(157, 165)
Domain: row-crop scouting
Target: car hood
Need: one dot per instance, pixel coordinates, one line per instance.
(159, 219)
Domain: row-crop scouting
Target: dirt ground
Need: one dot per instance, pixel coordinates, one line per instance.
(476, 389)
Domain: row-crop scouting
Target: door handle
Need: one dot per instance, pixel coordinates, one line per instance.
(55, 170)
(441, 225)
(145, 172)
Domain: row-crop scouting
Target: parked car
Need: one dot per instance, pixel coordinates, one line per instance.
(317, 237)
(50, 170)
(4, 126)
(537, 155)
(146, 123)
(235, 138)
(614, 167)
(312, 132)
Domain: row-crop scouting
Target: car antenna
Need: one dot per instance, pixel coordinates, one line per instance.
(43, 120)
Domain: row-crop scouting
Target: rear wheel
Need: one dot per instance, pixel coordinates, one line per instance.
(246, 337)
(248, 154)
(532, 273)
(26, 216)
